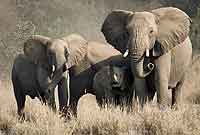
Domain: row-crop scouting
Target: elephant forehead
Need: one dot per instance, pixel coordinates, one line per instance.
(143, 17)
(57, 45)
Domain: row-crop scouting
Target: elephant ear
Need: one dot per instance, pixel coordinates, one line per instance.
(114, 29)
(173, 28)
(35, 48)
(76, 49)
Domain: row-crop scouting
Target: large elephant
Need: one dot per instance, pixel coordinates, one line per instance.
(112, 84)
(155, 41)
(44, 65)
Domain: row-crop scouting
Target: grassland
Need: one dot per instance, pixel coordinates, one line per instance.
(109, 121)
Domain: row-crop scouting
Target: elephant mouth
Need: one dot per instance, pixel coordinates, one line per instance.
(115, 84)
(117, 87)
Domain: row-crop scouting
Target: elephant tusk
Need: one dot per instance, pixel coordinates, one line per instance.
(115, 77)
(147, 52)
(126, 53)
(53, 68)
(67, 66)
(68, 90)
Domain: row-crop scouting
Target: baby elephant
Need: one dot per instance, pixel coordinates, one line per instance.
(32, 80)
(29, 79)
(113, 84)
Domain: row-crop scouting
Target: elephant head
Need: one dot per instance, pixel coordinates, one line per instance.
(117, 77)
(55, 55)
(158, 30)
(121, 79)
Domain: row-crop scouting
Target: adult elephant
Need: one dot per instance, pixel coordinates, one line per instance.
(44, 65)
(112, 84)
(164, 32)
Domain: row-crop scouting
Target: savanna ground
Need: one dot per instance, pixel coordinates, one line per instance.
(21, 18)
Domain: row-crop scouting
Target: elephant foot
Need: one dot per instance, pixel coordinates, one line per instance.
(21, 116)
(163, 107)
(175, 107)
(64, 112)
(67, 113)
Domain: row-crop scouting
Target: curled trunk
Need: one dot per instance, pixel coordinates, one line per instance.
(139, 69)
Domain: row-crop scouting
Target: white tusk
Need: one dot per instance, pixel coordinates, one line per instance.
(53, 68)
(115, 77)
(126, 53)
(68, 90)
(67, 66)
(147, 52)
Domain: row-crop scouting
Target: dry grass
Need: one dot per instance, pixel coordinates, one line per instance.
(109, 121)
(93, 120)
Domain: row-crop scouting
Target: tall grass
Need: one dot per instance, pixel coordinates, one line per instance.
(93, 120)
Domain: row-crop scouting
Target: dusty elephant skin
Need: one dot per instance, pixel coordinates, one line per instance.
(44, 65)
(112, 84)
(159, 36)
(81, 76)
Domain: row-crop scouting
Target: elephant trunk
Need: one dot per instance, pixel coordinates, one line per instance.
(56, 78)
(138, 67)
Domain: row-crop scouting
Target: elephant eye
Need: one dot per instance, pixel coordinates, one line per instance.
(151, 33)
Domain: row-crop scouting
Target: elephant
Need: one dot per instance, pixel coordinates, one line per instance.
(112, 84)
(81, 75)
(31, 79)
(158, 47)
(45, 64)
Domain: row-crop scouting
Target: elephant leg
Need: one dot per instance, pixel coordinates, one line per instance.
(140, 90)
(129, 103)
(43, 81)
(63, 93)
(73, 107)
(176, 93)
(110, 98)
(20, 98)
(162, 73)
(100, 101)
(151, 87)
(52, 102)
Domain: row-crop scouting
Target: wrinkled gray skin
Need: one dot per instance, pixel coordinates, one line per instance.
(157, 41)
(113, 84)
(81, 76)
(31, 79)
(44, 65)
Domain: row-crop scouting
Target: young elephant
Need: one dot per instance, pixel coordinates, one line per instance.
(113, 84)
(31, 79)
(44, 65)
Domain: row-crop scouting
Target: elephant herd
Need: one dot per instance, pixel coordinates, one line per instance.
(147, 52)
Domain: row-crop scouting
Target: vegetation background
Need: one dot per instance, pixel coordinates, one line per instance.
(56, 18)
